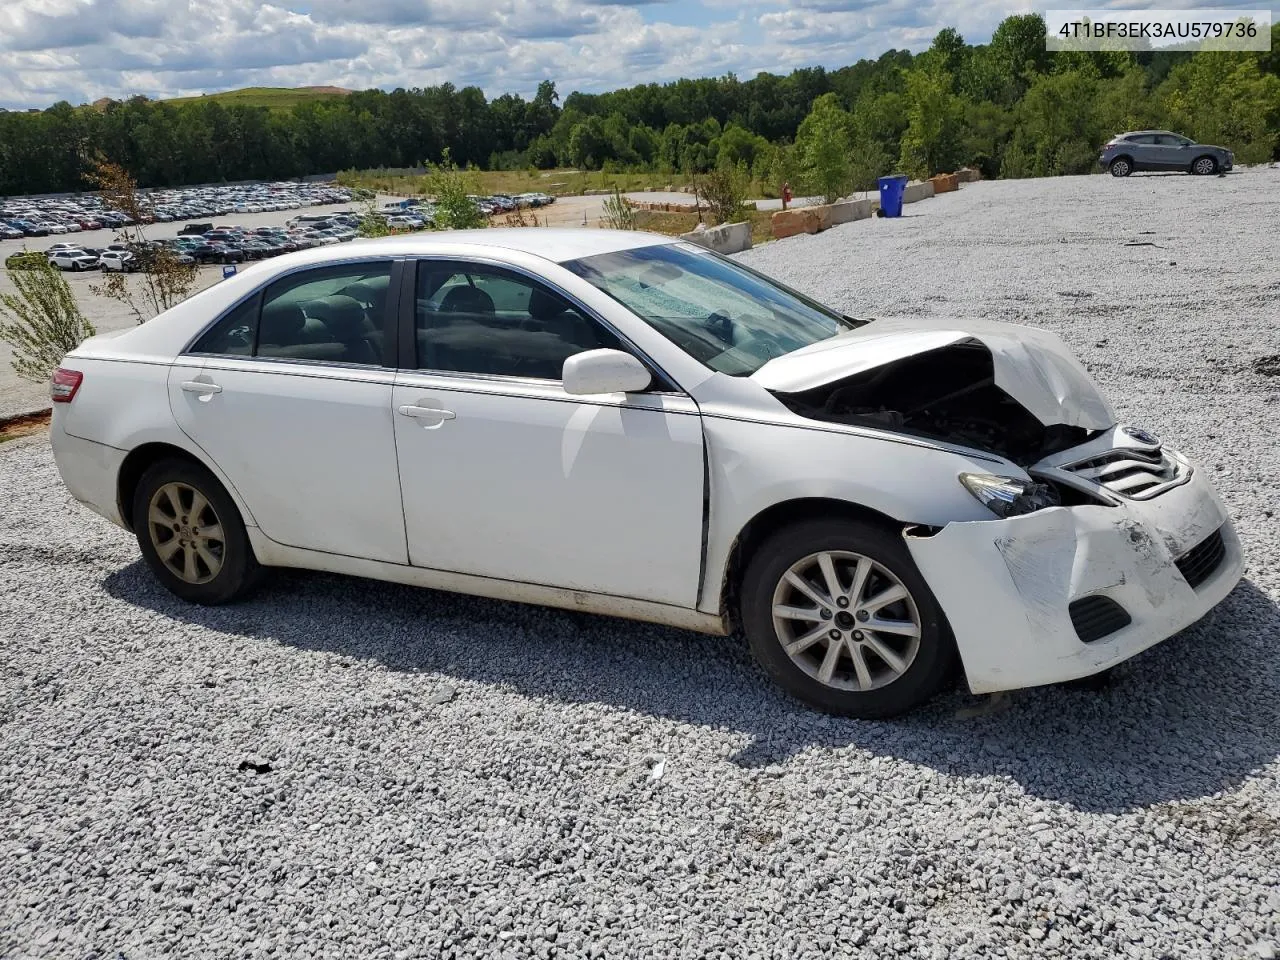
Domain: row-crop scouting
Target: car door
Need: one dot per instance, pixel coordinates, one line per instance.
(1167, 153)
(1140, 148)
(505, 475)
(289, 393)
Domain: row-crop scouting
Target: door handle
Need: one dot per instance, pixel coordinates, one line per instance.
(201, 387)
(427, 413)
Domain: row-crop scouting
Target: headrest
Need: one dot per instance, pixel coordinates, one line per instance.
(543, 305)
(342, 315)
(466, 299)
(281, 322)
(372, 290)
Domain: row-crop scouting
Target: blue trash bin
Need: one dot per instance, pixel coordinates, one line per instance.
(891, 191)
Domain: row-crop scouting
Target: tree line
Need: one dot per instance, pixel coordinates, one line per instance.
(1008, 107)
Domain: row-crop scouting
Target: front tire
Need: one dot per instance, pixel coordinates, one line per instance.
(192, 535)
(1204, 166)
(837, 613)
(1121, 167)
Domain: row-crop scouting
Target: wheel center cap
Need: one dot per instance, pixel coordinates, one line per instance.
(844, 619)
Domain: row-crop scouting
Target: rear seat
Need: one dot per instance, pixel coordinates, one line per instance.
(333, 329)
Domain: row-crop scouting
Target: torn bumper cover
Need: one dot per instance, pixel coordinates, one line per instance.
(1007, 586)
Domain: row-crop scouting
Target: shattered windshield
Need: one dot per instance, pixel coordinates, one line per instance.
(726, 316)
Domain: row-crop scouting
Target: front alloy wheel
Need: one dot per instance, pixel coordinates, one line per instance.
(846, 621)
(1204, 166)
(838, 614)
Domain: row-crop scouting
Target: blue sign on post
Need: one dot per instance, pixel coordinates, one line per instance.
(228, 270)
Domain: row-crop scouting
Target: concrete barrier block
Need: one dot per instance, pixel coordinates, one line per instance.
(968, 175)
(917, 191)
(846, 211)
(945, 183)
(726, 238)
(788, 223)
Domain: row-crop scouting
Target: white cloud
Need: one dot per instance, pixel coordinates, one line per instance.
(80, 50)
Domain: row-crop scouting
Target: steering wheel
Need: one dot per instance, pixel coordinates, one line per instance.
(720, 324)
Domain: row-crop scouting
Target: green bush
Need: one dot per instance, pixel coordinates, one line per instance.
(41, 321)
(455, 210)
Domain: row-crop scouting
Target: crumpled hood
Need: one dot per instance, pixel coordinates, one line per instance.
(1032, 365)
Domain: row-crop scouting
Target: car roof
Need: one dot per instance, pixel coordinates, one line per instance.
(1135, 133)
(556, 244)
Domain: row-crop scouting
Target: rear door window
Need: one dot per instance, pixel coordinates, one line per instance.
(325, 315)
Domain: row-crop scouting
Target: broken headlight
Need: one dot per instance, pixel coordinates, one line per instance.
(1009, 496)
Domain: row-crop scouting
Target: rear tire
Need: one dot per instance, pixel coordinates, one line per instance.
(1121, 167)
(825, 650)
(192, 535)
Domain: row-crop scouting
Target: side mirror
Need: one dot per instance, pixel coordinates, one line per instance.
(604, 371)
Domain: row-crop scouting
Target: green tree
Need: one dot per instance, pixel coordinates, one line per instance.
(948, 53)
(824, 142)
(931, 142)
(1018, 49)
(1217, 97)
(1058, 121)
(589, 145)
(868, 163)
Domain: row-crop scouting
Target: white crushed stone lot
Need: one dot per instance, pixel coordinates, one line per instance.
(349, 769)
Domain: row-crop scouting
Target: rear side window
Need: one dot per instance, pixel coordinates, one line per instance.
(233, 334)
(326, 315)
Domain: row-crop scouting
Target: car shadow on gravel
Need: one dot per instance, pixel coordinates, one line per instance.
(1193, 716)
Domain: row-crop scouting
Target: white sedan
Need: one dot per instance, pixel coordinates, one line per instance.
(632, 425)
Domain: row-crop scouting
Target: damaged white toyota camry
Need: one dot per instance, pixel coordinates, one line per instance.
(630, 425)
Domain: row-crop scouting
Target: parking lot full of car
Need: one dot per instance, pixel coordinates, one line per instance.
(206, 239)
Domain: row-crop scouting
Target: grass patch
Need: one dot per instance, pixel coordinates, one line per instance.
(557, 183)
(273, 98)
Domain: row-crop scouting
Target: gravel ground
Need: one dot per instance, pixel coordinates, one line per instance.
(342, 768)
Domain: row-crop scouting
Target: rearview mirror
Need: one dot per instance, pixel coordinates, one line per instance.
(604, 371)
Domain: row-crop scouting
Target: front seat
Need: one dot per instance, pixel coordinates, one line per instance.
(468, 299)
(552, 315)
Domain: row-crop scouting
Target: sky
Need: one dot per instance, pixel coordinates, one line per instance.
(80, 50)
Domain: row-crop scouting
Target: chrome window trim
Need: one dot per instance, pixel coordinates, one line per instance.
(501, 378)
(294, 367)
(556, 288)
(473, 386)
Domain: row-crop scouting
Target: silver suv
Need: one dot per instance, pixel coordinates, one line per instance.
(1162, 150)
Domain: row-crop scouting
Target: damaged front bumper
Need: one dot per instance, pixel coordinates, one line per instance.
(1008, 587)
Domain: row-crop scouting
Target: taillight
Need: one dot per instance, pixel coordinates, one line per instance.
(65, 384)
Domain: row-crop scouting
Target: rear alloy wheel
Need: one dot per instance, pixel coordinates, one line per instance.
(1121, 167)
(838, 613)
(1204, 166)
(191, 534)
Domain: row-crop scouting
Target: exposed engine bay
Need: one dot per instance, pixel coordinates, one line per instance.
(944, 394)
